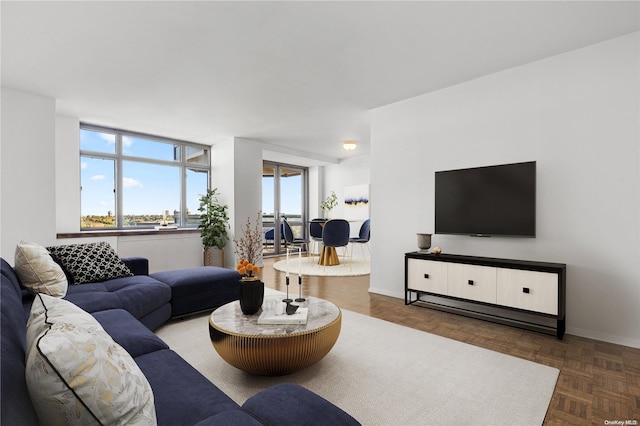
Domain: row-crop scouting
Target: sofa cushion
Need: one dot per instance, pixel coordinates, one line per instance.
(183, 396)
(128, 332)
(200, 288)
(90, 262)
(155, 319)
(77, 374)
(16, 408)
(137, 294)
(289, 404)
(231, 418)
(137, 265)
(38, 271)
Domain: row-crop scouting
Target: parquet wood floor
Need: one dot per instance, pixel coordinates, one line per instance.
(599, 382)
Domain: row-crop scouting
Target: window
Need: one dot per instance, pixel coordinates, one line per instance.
(132, 181)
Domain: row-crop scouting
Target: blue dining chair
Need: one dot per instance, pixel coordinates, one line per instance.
(336, 234)
(363, 238)
(269, 236)
(290, 239)
(315, 233)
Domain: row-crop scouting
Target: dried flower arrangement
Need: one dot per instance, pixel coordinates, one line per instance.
(249, 247)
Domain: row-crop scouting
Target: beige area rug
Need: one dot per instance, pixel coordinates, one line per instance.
(309, 266)
(385, 374)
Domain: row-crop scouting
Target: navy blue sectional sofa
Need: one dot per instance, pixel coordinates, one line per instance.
(128, 309)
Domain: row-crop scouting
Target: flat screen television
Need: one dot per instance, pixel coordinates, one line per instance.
(487, 201)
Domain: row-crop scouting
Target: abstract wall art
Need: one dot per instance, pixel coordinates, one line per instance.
(356, 202)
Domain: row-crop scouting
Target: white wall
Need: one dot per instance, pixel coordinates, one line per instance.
(247, 189)
(67, 160)
(577, 115)
(28, 170)
(222, 177)
(316, 190)
(352, 171)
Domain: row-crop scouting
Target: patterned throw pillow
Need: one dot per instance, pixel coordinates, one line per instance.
(37, 270)
(77, 375)
(91, 262)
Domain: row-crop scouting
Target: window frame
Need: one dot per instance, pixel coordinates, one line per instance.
(277, 201)
(119, 157)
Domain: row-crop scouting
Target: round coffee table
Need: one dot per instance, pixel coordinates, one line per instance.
(274, 350)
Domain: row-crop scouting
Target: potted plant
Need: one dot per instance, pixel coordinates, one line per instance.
(214, 223)
(329, 203)
(248, 249)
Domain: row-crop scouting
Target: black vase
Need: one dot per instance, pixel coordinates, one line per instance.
(251, 296)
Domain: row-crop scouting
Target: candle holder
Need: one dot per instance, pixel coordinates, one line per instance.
(300, 298)
(287, 300)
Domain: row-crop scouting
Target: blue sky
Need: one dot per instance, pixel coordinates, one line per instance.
(291, 195)
(148, 188)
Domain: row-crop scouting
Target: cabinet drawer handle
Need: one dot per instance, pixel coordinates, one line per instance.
(525, 290)
(470, 282)
(426, 276)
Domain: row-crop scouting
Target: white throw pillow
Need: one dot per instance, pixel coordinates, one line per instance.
(38, 271)
(77, 375)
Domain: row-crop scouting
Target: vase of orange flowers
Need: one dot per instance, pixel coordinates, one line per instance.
(251, 295)
(249, 251)
(251, 288)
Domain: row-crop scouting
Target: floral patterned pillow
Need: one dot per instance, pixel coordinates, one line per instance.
(91, 262)
(77, 375)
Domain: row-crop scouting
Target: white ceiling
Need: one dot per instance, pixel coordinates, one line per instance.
(301, 76)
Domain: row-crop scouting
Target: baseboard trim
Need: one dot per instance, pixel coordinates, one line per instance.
(589, 334)
(603, 337)
(397, 295)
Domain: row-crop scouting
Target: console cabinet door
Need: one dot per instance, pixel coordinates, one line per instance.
(472, 282)
(530, 290)
(427, 275)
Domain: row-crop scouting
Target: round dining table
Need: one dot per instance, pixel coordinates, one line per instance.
(328, 255)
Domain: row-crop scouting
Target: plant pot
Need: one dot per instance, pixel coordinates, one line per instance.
(251, 295)
(213, 256)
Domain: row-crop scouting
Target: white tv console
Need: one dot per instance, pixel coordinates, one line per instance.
(525, 294)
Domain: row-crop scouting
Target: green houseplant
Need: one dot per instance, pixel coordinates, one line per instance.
(214, 224)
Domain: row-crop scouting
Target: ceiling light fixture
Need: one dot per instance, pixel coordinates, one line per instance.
(349, 145)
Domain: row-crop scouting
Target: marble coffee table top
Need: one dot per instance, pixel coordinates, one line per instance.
(230, 318)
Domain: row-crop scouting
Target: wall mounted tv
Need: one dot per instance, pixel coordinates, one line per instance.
(487, 201)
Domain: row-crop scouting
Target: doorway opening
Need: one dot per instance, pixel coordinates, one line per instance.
(284, 196)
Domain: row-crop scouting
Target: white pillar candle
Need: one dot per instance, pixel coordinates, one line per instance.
(287, 262)
(279, 308)
(300, 261)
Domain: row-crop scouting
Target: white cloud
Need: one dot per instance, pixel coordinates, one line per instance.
(130, 182)
(83, 165)
(111, 139)
(97, 177)
(126, 144)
